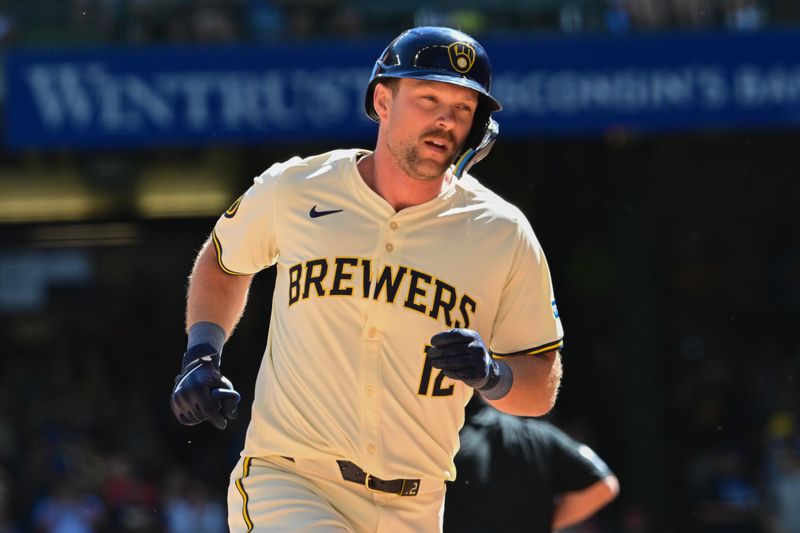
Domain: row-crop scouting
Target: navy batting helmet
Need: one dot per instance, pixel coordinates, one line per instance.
(448, 56)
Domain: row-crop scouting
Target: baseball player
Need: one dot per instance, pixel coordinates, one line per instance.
(403, 286)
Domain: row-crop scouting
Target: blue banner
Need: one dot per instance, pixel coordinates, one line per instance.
(157, 96)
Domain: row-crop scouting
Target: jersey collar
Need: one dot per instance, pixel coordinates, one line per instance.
(365, 192)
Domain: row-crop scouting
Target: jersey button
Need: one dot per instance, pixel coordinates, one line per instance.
(369, 390)
(389, 247)
(394, 225)
(371, 332)
(371, 448)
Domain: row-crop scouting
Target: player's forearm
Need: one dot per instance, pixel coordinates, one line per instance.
(575, 507)
(536, 382)
(213, 295)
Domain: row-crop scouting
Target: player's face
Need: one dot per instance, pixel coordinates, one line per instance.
(427, 124)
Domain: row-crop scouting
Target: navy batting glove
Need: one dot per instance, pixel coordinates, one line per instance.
(201, 392)
(461, 354)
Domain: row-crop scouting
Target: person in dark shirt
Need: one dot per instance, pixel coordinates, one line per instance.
(522, 474)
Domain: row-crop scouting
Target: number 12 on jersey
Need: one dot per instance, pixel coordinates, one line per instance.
(425, 380)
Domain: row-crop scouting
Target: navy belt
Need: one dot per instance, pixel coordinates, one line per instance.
(351, 472)
(401, 487)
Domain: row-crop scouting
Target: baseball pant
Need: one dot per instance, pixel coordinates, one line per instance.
(276, 494)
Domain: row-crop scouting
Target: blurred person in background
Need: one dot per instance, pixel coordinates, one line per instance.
(189, 508)
(68, 509)
(541, 478)
(781, 471)
(725, 492)
(744, 15)
(130, 497)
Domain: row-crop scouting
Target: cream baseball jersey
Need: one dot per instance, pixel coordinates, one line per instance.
(360, 290)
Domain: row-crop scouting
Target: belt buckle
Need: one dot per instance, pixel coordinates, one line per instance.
(366, 483)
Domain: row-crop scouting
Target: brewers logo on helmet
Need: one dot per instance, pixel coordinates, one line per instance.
(462, 56)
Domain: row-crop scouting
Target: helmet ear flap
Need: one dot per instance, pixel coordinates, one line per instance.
(480, 122)
(474, 150)
(470, 156)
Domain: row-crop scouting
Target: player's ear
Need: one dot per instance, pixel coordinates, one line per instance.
(381, 100)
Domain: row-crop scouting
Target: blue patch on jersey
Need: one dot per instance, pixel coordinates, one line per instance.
(555, 309)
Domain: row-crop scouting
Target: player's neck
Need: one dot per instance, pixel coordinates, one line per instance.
(396, 187)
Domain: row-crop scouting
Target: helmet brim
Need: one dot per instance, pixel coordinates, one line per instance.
(443, 77)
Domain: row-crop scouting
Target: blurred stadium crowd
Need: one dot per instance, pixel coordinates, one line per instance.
(158, 21)
(87, 442)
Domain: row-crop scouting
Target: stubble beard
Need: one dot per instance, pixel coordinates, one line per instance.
(408, 159)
